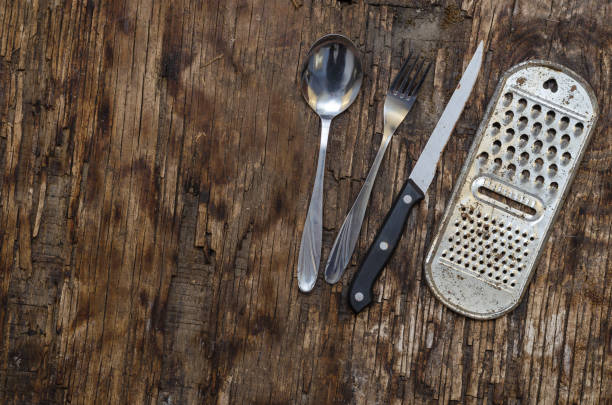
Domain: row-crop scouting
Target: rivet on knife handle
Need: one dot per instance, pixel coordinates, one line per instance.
(360, 292)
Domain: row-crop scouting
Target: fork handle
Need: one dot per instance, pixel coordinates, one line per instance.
(345, 242)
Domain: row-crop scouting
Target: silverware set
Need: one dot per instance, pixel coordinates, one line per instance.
(330, 81)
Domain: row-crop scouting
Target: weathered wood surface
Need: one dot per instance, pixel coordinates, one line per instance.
(157, 159)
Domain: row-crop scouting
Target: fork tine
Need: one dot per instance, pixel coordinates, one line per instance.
(408, 74)
(415, 90)
(401, 73)
(406, 89)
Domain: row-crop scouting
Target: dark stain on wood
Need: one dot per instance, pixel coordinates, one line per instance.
(104, 116)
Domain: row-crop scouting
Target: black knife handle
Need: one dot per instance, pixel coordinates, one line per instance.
(379, 253)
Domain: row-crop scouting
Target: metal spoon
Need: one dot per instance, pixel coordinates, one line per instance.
(331, 79)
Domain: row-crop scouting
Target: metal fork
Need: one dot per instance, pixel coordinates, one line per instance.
(398, 102)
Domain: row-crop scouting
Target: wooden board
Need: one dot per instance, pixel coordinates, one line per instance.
(157, 161)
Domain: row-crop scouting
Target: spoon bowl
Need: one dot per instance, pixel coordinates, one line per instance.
(332, 75)
(330, 81)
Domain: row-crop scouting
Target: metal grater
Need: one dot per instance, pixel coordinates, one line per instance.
(511, 188)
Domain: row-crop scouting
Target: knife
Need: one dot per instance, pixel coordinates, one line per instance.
(413, 191)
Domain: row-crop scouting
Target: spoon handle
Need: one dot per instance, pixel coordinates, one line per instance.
(345, 242)
(310, 247)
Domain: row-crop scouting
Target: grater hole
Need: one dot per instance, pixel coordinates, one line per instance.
(552, 170)
(539, 181)
(536, 128)
(507, 99)
(538, 163)
(496, 146)
(550, 84)
(522, 123)
(523, 140)
(536, 110)
(498, 163)
(522, 104)
(537, 146)
(554, 186)
(509, 134)
(496, 128)
(509, 116)
(484, 156)
(565, 140)
(511, 151)
(512, 167)
(550, 134)
(524, 158)
(550, 116)
(525, 175)
(578, 128)
(565, 158)
(552, 151)
(563, 124)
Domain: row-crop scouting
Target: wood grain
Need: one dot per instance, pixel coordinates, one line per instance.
(157, 160)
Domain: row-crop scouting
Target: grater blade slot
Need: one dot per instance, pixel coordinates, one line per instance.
(507, 202)
(507, 197)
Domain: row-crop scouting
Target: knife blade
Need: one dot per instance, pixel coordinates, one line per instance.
(413, 191)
